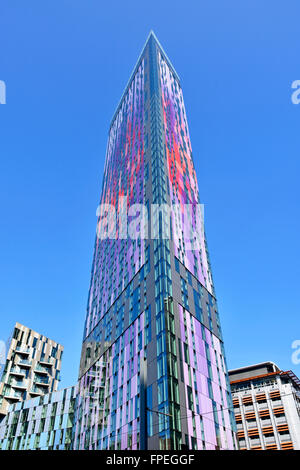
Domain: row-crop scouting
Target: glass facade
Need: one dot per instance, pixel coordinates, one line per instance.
(42, 423)
(151, 298)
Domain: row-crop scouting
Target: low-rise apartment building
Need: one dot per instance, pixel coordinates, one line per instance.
(266, 404)
(31, 369)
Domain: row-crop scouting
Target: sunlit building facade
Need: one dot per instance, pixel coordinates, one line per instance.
(266, 404)
(41, 423)
(31, 367)
(152, 319)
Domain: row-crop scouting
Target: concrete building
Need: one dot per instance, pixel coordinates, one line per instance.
(31, 369)
(266, 404)
(42, 423)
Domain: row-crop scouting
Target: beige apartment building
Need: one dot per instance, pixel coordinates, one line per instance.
(31, 369)
(266, 404)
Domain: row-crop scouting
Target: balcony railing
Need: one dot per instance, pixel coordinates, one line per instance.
(261, 405)
(22, 350)
(17, 371)
(13, 395)
(285, 437)
(255, 442)
(18, 383)
(266, 422)
(42, 380)
(252, 425)
(25, 363)
(281, 419)
(41, 369)
(47, 360)
(36, 390)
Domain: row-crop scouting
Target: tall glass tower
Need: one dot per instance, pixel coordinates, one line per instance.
(153, 372)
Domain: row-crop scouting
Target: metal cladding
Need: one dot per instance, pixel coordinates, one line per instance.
(152, 297)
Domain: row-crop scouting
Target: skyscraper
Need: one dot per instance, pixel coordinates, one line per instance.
(153, 372)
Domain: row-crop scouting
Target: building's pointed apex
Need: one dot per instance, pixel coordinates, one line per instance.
(150, 38)
(151, 35)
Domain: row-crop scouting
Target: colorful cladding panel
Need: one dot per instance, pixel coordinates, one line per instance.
(42, 423)
(116, 336)
(206, 387)
(116, 261)
(108, 403)
(183, 187)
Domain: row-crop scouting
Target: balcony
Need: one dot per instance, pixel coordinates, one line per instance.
(285, 437)
(41, 370)
(262, 405)
(36, 391)
(17, 371)
(281, 419)
(266, 422)
(13, 395)
(22, 384)
(251, 425)
(276, 403)
(255, 442)
(248, 408)
(48, 361)
(42, 381)
(269, 440)
(25, 363)
(23, 350)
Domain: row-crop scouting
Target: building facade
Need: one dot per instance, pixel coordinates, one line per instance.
(42, 423)
(267, 407)
(153, 371)
(32, 367)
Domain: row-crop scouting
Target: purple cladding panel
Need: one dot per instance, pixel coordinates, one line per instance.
(117, 260)
(208, 389)
(183, 187)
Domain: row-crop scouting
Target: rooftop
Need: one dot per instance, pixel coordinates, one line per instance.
(151, 35)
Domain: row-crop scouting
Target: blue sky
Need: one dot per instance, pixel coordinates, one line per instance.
(65, 64)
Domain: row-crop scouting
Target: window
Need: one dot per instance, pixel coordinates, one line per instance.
(198, 308)
(190, 397)
(16, 333)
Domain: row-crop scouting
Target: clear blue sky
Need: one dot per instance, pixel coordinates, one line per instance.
(65, 64)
